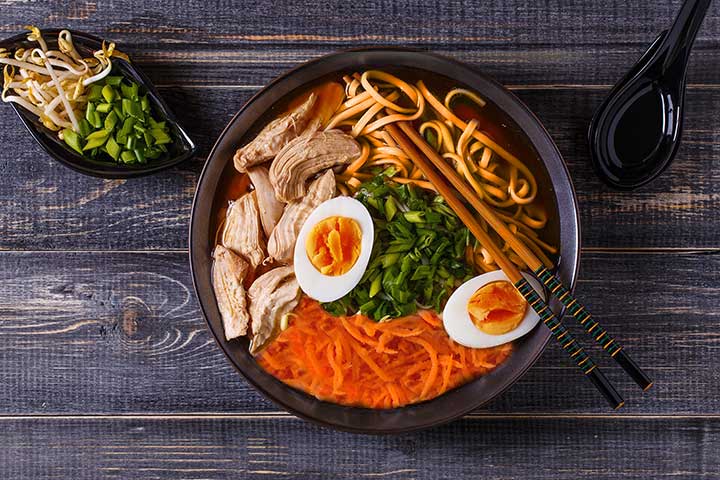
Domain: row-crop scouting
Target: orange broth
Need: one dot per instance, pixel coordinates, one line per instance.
(359, 362)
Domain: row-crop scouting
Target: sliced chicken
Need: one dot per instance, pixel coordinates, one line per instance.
(242, 233)
(274, 136)
(307, 155)
(271, 296)
(283, 237)
(270, 208)
(228, 273)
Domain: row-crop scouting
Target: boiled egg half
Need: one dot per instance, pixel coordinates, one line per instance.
(333, 248)
(487, 311)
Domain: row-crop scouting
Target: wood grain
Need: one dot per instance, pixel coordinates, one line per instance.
(122, 333)
(493, 22)
(530, 46)
(44, 206)
(518, 66)
(268, 447)
(107, 369)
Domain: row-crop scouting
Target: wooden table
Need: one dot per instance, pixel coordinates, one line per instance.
(107, 369)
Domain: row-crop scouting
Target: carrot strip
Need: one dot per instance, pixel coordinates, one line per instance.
(337, 374)
(356, 361)
(433, 365)
(448, 362)
(370, 362)
(272, 362)
(356, 333)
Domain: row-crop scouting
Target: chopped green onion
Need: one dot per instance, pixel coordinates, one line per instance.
(390, 259)
(89, 111)
(130, 91)
(127, 126)
(85, 128)
(95, 92)
(118, 111)
(127, 156)
(161, 137)
(375, 286)
(118, 124)
(73, 140)
(139, 154)
(113, 80)
(98, 134)
(104, 107)
(418, 255)
(414, 217)
(390, 208)
(110, 121)
(108, 93)
(96, 139)
(112, 148)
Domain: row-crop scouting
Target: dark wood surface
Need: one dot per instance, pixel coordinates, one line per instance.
(108, 371)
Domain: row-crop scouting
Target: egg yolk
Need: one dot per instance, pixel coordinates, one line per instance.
(496, 308)
(333, 245)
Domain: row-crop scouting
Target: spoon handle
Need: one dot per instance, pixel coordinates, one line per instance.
(591, 326)
(679, 39)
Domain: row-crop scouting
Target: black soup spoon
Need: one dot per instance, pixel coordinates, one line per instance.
(635, 133)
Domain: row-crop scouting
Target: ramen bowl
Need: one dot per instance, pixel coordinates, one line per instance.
(517, 123)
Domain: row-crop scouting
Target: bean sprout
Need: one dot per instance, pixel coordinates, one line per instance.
(51, 83)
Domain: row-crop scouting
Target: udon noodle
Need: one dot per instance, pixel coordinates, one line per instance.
(375, 99)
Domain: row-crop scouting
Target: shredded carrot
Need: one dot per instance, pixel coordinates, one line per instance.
(356, 361)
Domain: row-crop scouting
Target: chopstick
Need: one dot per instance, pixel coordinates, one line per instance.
(553, 284)
(557, 329)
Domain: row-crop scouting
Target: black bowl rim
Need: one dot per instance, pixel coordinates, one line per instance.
(547, 151)
(109, 171)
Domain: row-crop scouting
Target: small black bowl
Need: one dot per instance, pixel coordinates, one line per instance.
(180, 149)
(265, 105)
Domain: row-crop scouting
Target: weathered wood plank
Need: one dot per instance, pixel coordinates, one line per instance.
(45, 206)
(512, 64)
(122, 333)
(254, 448)
(494, 22)
(587, 44)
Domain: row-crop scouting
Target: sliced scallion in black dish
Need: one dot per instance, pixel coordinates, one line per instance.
(119, 125)
(181, 148)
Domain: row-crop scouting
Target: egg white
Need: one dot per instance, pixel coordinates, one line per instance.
(326, 288)
(460, 327)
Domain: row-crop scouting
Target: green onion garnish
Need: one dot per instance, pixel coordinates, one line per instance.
(418, 256)
(118, 123)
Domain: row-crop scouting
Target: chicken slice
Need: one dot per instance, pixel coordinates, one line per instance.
(242, 233)
(274, 136)
(270, 208)
(228, 273)
(283, 237)
(271, 296)
(307, 155)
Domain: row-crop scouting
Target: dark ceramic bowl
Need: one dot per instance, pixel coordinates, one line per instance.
(255, 114)
(180, 150)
